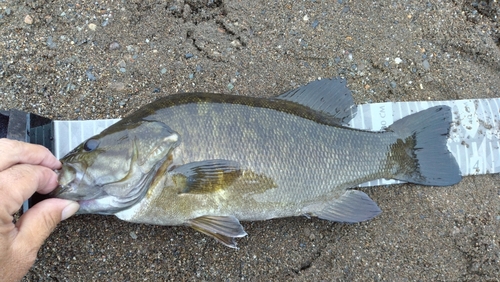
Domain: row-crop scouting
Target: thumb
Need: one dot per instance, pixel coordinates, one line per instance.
(39, 221)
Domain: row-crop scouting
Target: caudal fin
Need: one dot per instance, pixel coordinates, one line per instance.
(421, 155)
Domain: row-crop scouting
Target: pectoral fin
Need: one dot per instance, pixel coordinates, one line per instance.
(353, 206)
(222, 228)
(206, 176)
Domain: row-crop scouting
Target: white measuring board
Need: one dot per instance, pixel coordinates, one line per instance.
(474, 135)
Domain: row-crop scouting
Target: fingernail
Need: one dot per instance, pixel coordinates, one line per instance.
(69, 210)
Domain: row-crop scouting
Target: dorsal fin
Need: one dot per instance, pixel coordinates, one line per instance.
(330, 96)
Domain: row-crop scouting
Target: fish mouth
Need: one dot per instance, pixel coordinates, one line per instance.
(70, 186)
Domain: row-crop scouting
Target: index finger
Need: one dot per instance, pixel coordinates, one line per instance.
(15, 152)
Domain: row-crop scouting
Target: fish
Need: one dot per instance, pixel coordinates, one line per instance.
(209, 161)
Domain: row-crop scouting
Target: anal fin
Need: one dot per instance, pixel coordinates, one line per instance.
(353, 206)
(222, 228)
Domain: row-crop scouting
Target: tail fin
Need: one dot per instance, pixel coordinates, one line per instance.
(420, 155)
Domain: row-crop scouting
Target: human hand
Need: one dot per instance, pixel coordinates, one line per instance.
(24, 169)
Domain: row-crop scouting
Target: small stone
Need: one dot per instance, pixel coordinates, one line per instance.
(188, 55)
(92, 26)
(70, 87)
(306, 18)
(133, 235)
(90, 75)
(114, 46)
(50, 43)
(230, 86)
(28, 19)
(426, 65)
(121, 64)
(199, 68)
(123, 70)
(393, 84)
(118, 86)
(191, 75)
(163, 71)
(398, 61)
(8, 11)
(315, 23)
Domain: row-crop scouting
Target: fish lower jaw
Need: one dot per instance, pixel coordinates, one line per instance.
(101, 206)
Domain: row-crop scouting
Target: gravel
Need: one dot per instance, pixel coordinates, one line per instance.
(60, 59)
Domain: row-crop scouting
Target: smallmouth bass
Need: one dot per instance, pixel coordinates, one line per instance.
(210, 160)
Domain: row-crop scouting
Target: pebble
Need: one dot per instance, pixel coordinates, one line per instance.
(70, 87)
(92, 26)
(315, 23)
(230, 86)
(118, 86)
(8, 11)
(123, 70)
(122, 64)
(398, 61)
(163, 71)
(191, 75)
(133, 235)
(114, 46)
(188, 55)
(426, 65)
(90, 75)
(28, 19)
(393, 84)
(50, 43)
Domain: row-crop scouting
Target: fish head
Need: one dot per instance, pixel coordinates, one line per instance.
(112, 171)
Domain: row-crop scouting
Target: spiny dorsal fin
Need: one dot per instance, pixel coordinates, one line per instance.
(206, 176)
(330, 96)
(222, 228)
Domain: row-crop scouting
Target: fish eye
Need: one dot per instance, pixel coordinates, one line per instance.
(90, 145)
